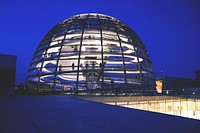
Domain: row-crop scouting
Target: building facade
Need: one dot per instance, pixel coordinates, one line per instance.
(7, 73)
(172, 84)
(90, 52)
(197, 79)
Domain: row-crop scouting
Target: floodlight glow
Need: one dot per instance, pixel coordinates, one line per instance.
(90, 52)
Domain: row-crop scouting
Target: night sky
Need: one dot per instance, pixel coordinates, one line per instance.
(170, 29)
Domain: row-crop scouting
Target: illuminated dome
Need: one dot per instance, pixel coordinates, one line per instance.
(90, 52)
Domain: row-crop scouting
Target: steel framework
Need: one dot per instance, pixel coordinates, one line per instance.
(90, 52)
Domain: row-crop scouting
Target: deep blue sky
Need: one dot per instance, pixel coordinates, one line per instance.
(170, 29)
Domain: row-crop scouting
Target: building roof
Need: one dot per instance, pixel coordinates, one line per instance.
(8, 61)
(64, 113)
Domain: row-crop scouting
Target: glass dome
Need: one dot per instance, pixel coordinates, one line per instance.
(90, 52)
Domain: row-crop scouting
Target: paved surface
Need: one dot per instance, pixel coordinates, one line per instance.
(65, 114)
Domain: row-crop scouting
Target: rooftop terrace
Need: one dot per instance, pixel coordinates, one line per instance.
(65, 113)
